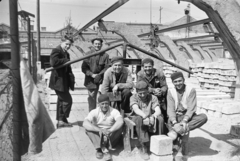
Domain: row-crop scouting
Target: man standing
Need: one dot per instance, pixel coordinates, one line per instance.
(181, 108)
(156, 81)
(60, 80)
(118, 78)
(94, 69)
(104, 127)
(147, 116)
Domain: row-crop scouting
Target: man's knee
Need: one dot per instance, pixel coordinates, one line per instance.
(160, 119)
(126, 93)
(137, 119)
(203, 117)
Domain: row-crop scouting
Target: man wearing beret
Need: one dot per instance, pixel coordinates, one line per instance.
(181, 109)
(118, 78)
(156, 83)
(94, 69)
(146, 115)
(104, 127)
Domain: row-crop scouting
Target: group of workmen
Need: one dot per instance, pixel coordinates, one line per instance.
(155, 109)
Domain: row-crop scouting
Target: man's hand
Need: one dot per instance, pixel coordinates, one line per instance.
(178, 128)
(152, 120)
(157, 92)
(146, 121)
(114, 90)
(93, 75)
(104, 131)
(184, 125)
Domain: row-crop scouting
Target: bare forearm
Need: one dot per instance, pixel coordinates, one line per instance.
(157, 111)
(118, 124)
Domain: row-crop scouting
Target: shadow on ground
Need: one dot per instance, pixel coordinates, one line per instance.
(200, 146)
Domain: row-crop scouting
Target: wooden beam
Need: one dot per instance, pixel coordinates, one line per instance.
(193, 38)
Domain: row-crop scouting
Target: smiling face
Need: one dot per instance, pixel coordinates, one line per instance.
(178, 83)
(148, 67)
(142, 93)
(104, 106)
(66, 45)
(97, 44)
(117, 66)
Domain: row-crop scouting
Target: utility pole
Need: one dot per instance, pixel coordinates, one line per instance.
(38, 32)
(160, 20)
(16, 81)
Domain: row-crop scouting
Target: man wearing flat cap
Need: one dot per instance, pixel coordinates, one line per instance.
(181, 109)
(104, 127)
(94, 68)
(118, 78)
(156, 83)
(146, 115)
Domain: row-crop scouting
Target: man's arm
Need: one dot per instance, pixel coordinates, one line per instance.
(117, 125)
(90, 127)
(171, 108)
(106, 65)
(129, 82)
(55, 59)
(157, 112)
(191, 105)
(163, 83)
(138, 112)
(86, 69)
(106, 82)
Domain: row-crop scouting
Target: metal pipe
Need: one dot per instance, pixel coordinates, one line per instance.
(84, 57)
(15, 143)
(206, 42)
(115, 6)
(178, 27)
(193, 38)
(155, 56)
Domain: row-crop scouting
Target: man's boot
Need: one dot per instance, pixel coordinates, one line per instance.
(144, 152)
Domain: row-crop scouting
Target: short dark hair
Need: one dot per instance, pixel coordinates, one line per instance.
(98, 39)
(66, 37)
(147, 60)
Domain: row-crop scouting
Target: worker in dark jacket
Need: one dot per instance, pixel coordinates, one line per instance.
(60, 80)
(94, 69)
(156, 81)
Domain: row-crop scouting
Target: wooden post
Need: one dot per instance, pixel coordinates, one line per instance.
(34, 59)
(124, 50)
(38, 32)
(29, 45)
(16, 81)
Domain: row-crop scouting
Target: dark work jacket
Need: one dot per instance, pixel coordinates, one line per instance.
(59, 79)
(95, 65)
(156, 80)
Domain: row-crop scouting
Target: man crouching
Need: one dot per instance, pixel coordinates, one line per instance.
(147, 116)
(104, 127)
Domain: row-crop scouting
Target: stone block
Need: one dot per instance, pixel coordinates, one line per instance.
(154, 157)
(235, 130)
(161, 145)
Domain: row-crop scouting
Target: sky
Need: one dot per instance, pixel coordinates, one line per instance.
(53, 13)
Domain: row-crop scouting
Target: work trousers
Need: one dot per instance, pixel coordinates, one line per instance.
(64, 105)
(96, 140)
(92, 98)
(181, 143)
(124, 104)
(143, 130)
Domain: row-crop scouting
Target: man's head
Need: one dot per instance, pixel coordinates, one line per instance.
(117, 64)
(178, 80)
(97, 43)
(147, 65)
(66, 42)
(142, 89)
(103, 101)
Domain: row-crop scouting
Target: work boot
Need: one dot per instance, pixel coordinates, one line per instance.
(99, 153)
(107, 156)
(144, 152)
(172, 134)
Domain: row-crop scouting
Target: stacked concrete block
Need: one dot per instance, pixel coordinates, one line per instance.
(169, 69)
(235, 130)
(161, 147)
(220, 75)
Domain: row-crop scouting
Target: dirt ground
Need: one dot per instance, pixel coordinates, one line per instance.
(212, 142)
